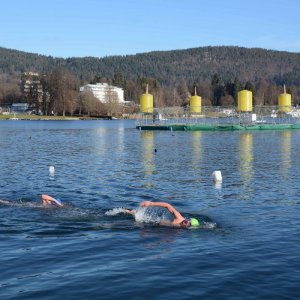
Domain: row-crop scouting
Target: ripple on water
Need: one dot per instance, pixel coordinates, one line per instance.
(247, 247)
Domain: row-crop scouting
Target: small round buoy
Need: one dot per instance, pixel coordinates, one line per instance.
(217, 176)
(51, 170)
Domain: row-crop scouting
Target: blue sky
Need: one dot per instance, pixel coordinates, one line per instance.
(73, 28)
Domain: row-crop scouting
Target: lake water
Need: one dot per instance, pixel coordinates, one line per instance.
(248, 249)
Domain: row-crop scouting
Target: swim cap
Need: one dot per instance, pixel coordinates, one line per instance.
(194, 222)
(58, 200)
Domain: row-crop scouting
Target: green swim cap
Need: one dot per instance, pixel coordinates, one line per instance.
(194, 222)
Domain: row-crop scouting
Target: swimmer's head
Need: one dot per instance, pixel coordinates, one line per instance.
(185, 223)
(190, 223)
(194, 222)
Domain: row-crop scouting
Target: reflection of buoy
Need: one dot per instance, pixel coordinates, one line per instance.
(217, 176)
(218, 185)
(51, 170)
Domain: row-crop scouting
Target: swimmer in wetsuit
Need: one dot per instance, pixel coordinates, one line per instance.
(48, 200)
(178, 221)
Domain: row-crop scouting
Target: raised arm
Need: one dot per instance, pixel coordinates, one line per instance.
(178, 218)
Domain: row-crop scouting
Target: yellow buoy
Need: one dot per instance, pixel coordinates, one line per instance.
(146, 102)
(195, 103)
(244, 101)
(284, 101)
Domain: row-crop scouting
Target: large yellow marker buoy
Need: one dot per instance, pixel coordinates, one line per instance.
(195, 103)
(284, 101)
(244, 101)
(146, 102)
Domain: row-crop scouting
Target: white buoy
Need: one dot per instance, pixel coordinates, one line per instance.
(217, 176)
(51, 170)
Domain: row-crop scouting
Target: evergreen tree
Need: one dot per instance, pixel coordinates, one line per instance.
(119, 80)
(217, 90)
(237, 86)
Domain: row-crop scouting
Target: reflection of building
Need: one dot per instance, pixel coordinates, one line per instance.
(148, 148)
(105, 92)
(286, 147)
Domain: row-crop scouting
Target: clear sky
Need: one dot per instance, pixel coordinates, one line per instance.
(77, 28)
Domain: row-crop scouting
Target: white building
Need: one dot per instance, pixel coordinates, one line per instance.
(105, 92)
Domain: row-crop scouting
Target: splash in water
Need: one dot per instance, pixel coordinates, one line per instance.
(20, 203)
(144, 214)
(115, 211)
(152, 215)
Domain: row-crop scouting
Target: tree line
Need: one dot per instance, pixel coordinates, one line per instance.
(217, 73)
(58, 92)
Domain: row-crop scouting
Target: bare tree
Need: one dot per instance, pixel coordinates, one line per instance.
(63, 91)
(88, 103)
(112, 103)
(261, 93)
(9, 93)
(183, 92)
(205, 93)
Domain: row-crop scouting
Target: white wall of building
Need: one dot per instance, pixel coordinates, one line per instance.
(104, 92)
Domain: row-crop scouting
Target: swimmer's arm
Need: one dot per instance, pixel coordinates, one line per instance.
(131, 212)
(4, 202)
(177, 215)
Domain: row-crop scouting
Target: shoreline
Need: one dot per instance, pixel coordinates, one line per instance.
(53, 118)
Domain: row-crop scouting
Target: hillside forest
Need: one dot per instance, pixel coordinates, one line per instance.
(216, 73)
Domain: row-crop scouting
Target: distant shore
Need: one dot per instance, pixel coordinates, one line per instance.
(16, 117)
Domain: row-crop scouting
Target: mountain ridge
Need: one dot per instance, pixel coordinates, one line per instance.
(168, 67)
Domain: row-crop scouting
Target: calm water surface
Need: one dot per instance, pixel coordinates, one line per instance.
(81, 252)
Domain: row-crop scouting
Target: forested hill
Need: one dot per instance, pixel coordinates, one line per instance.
(168, 67)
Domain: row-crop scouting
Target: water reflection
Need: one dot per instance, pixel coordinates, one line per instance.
(197, 149)
(120, 135)
(101, 140)
(148, 152)
(218, 185)
(154, 239)
(104, 141)
(246, 156)
(285, 153)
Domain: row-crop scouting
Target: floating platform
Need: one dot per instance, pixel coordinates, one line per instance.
(220, 127)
